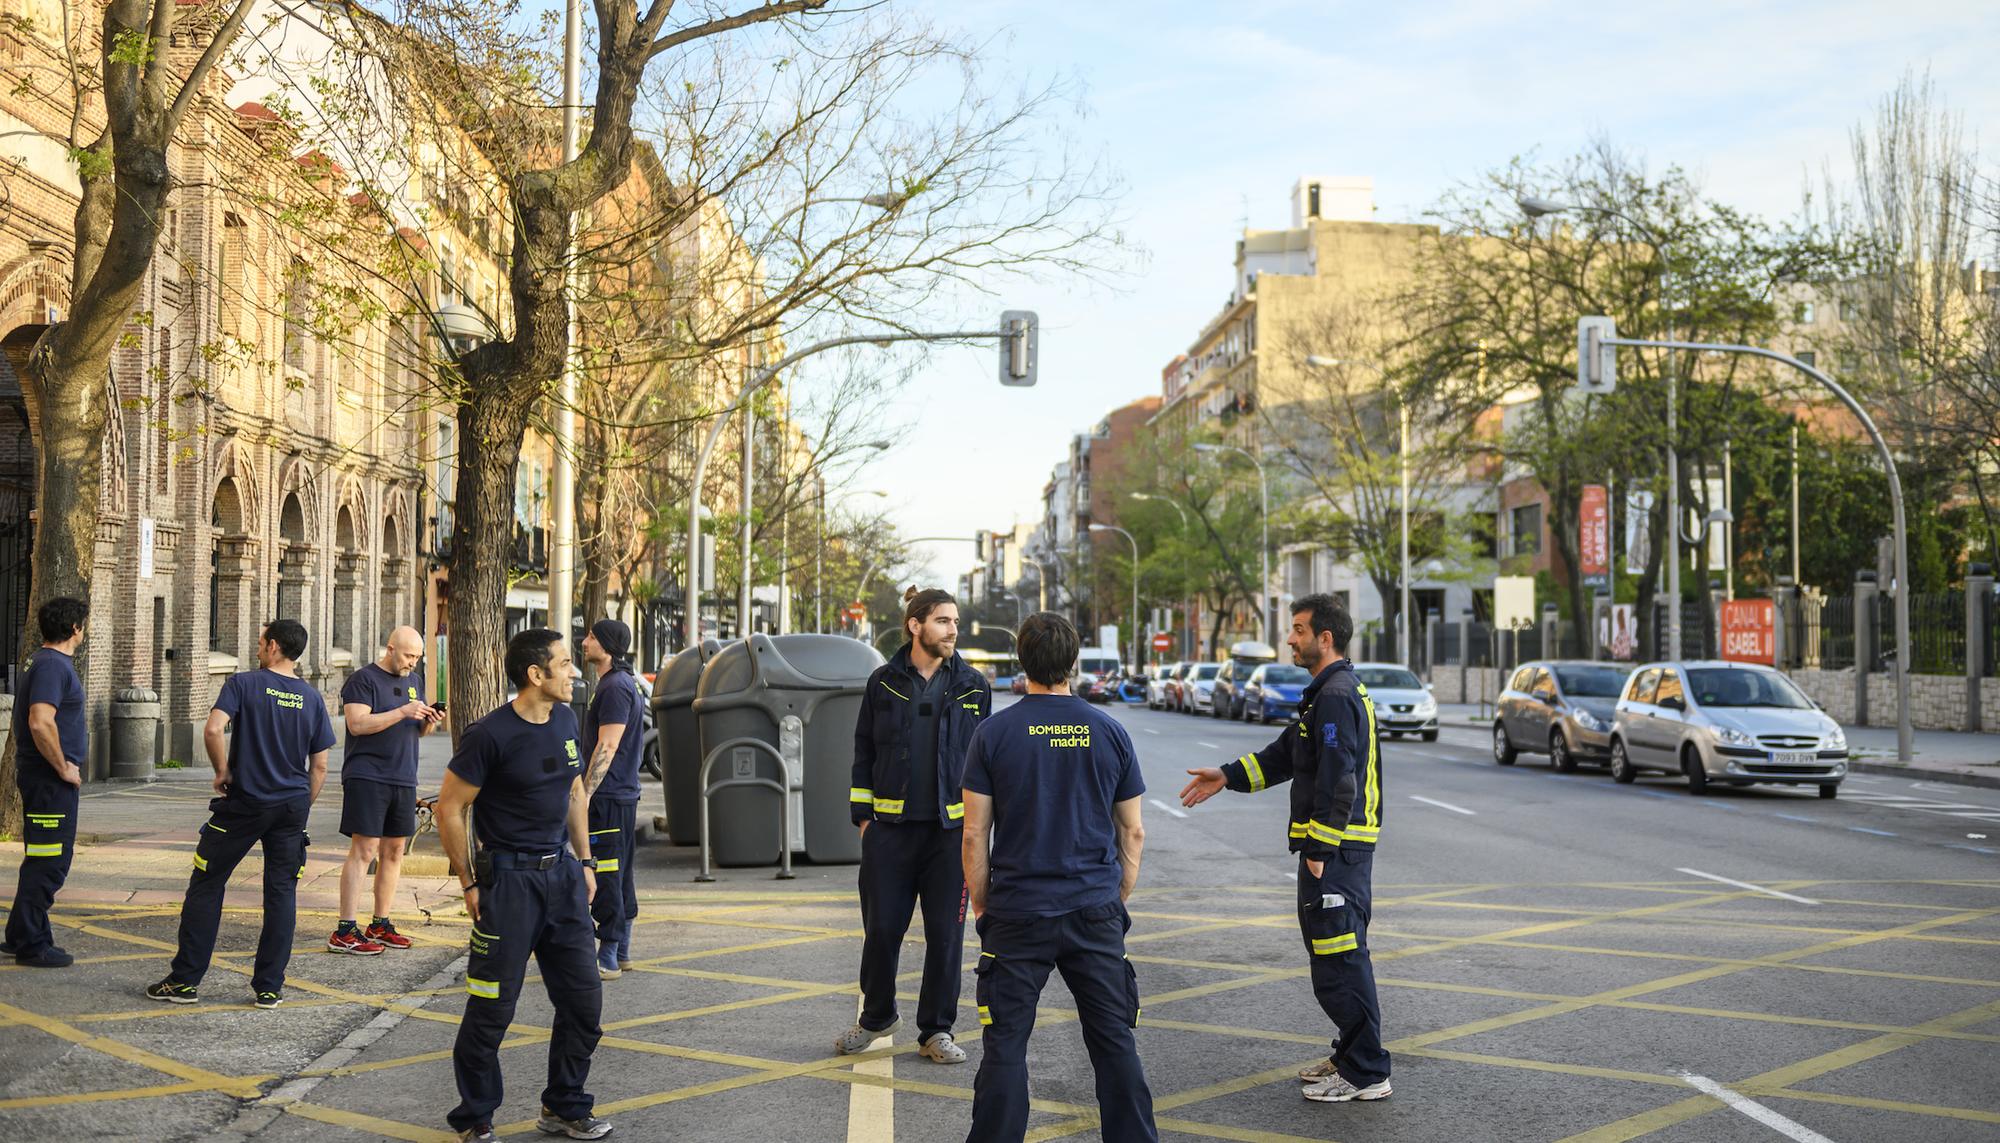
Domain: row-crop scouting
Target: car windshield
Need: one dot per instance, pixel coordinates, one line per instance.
(1591, 682)
(1287, 675)
(1732, 686)
(1098, 666)
(1206, 671)
(1388, 678)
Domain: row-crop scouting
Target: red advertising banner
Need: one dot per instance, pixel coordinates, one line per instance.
(1746, 632)
(1594, 544)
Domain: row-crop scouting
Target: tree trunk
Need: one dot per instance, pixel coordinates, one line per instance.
(490, 431)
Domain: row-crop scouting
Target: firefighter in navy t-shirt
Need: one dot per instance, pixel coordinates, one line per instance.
(612, 737)
(52, 741)
(385, 712)
(527, 889)
(268, 773)
(1055, 785)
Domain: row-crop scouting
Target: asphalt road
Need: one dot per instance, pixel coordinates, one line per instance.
(1559, 958)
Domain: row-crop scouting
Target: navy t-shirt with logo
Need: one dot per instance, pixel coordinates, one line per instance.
(1054, 766)
(616, 703)
(50, 678)
(390, 755)
(523, 770)
(276, 724)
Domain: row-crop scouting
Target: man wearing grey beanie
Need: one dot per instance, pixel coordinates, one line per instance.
(611, 740)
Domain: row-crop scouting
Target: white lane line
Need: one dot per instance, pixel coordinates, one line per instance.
(1149, 730)
(1210, 745)
(871, 1110)
(1876, 832)
(1747, 885)
(1294, 874)
(1757, 1111)
(1179, 813)
(1442, 805)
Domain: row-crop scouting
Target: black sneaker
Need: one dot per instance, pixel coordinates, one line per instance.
(270, 999)
(6, 948)
(173, 993)
(51, 957)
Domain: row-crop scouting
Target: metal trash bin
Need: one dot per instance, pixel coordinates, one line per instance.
(807, 688)
(679, 740)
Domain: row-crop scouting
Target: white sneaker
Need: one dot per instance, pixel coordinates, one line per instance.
(940, 1049)
(1335, 1089)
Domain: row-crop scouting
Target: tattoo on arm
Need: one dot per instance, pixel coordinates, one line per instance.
(600, 765)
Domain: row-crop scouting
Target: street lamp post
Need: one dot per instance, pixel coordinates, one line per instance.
(1537, 207)
(819, 552)
(1187, 607)
(1137, 655)
(562, 525)
(1264, 546)
(691, 633)
(1404, 639)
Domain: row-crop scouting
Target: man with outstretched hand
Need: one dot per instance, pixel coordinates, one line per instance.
(1331, 756)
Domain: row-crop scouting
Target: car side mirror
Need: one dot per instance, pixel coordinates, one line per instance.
(1430, 686)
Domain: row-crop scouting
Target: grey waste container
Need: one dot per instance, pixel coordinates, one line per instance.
(679, 742)
(135, 726)
(746, 691)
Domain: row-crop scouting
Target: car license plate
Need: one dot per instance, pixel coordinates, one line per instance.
(1793, 758)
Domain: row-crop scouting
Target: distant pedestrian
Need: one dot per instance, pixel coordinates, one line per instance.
(1054, 784)
(612, 738)
(52, 740)
(527, 889)
(918, 713)
(1332, 756)
(268, 773)
(384, 708)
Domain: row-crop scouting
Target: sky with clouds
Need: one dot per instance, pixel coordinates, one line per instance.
(1211, 111)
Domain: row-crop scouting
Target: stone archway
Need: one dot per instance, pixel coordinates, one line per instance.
(350, 565)
(17, 500)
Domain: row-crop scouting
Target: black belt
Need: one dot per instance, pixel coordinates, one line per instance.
(504, 859)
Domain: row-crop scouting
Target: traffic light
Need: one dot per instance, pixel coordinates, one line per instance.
(979, 541)
(1596, 362)
(1019, 338)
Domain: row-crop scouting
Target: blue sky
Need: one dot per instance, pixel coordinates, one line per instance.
(1210, 112)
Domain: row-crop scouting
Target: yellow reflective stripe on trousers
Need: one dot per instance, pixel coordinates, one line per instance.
(49, 849)
(1333, 946)
(201, 862)
(600, 832)
(487, 989)
(1319, 831)
(955, 811)
(607, 865)
(857, 794)
(985, 1016)
(888, 805)
(1252, 772)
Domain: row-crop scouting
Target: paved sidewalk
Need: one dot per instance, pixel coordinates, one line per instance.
(1937, 755)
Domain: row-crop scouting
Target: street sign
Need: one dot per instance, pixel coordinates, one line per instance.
(1594, 539)
(1163, 643)
(1596, 362)
(857, 611)
(1747, 635)
(1020, 343)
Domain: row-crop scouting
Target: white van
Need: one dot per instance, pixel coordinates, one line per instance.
(1098, 670)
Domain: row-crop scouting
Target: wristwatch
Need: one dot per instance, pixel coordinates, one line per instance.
(590, 863)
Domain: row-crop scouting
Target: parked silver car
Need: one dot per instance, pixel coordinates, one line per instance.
(1403, 702)
(1561, 708)
(1725, 722)
(1198, 687)
(1157, 685)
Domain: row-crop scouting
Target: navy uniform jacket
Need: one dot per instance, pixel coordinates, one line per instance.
(1331, 755)
(882, 738)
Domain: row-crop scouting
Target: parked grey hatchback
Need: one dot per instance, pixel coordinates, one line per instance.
(1562, 708)
(1725, 722)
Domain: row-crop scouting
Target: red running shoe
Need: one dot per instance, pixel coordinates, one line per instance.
(384, 933)
(353, 944)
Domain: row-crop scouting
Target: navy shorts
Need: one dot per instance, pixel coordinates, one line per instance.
(377, 809)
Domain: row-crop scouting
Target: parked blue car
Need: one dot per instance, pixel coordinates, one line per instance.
(1272, 691)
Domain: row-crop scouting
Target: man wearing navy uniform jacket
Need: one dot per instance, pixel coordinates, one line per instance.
(268, 773)
(1331, 755)
(611, 740)
(1052, 784)
(384, 708)
(52, 742)
(918, 713)
(527, 889)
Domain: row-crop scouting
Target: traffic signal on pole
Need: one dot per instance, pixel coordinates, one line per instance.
(1596, 362)
(1020, 334)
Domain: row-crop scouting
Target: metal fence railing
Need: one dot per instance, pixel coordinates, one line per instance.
(1937, 630)
(1836, 633)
